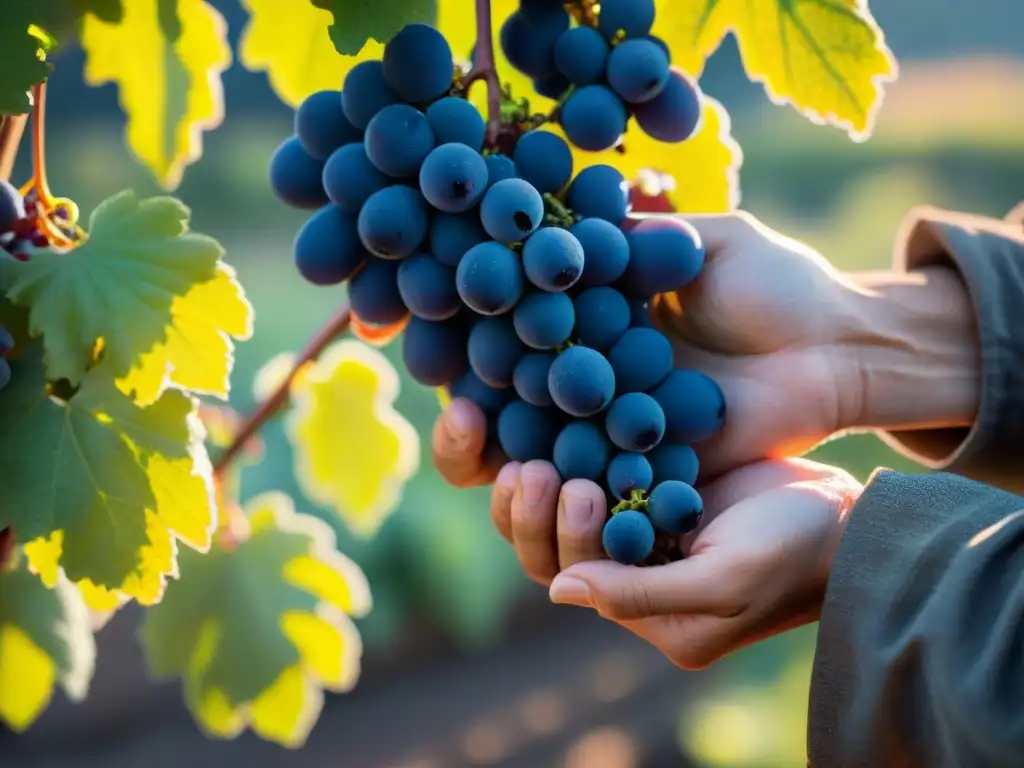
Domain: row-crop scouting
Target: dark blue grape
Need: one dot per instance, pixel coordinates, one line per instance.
(373, 293)
(393, 222)
(526, 432)
(675, 507)
(602, 316)
(581, 451)
(454, 120)
(12, 205)
(530, 378)
(366, 93)
(544, 320)
(539, 11)
(453, 178)
(7, 341)
(674, 462)
(628, 537)
(581, 54)
(694, 406)
(642, 358)
(593, 118)
(494, 350)
(295, 177)
(417, 64)
(552, 87)
(665, 254)
(350, 178)
(511, 210)
(321, 125)
(640, 313)
(629, 18)
(529, 44)
(581, 382)
(553, 259)
(601, 192)
(398, 140)
(628, 472)
(638, 70)
(434, 353)
(327, 247)
(499, 168)
(452, 235)
(490, 279)
(674, 114)
(635, 422)
(605, 251)
(489, 399)
(428, 287)
(545, 160)
(661, 44)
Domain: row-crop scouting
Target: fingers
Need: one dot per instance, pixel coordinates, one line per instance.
(501, 498)
(458, 444)
(533, 520)
(582, 510)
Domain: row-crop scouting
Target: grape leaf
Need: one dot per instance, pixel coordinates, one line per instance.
(45, 640)
(170, 90)
(704, 169)
(828, 58)
(255, 631)
(23, 62)
(380, 20)
(99, 486)
(353, 451)
(157, 295)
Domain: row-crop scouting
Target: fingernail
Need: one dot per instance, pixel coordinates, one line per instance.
(459, 425)
(507, 478)
(535, 483)
(567, 590)
(579, 511)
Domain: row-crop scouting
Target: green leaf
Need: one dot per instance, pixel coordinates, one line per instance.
(99, 486)
(356, 21)
(256, 630)
(23, 63)
(45, 640)
(156, 295)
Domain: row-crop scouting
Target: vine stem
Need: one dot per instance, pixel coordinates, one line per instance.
(336, 325)
(485, 70)
(12, 128)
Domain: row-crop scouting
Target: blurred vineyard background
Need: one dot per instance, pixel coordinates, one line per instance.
(466, 664)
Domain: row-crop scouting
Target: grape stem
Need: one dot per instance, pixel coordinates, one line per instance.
(485, 70)
(12, 128)
(336, 325)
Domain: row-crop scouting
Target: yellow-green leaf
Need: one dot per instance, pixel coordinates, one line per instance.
(353, 451)
(258, 630)
(169, 89)
(828, 58)
(45, 641)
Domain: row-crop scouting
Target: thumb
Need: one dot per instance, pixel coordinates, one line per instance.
(721, 231)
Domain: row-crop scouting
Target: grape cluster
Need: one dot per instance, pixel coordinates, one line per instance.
(20, 230)
(521, 286)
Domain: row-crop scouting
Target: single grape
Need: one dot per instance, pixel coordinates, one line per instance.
(365, 93)
(581, 451)
(530, 378)
(640, 313)
(434, 353)
(6, 341)
(321, 125)
(511, 210)
(629, 18)
(526, 432)
(635, 422)
(373, 293)
(675, 507)
(599, 191)
(552, 86)
(490, 279)
(628, 472)
(661, 44)
(581, 381)
(398, 140)
(638, 70)
(642, 358)
(350, 178)
(5, 373)
(593, 118)
(553, 259)
(427, 287)
(454, 120)
(452, 235)
(489, 399)
(545, 160)
(417, 64)
(694, 406)
(453, 178)
(602, 316)
(544, 320)
(529, 44)
(674, 462)
(499, 168)
(393, 222)
(327, 247)
(537, 11)
(581, 54)
(665, 254)
(494, 350)
(628, 537)
(674, 114)
(12, 205)
(605, 251)
(295, 177)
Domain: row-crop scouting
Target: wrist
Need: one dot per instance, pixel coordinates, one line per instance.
(916, 360)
